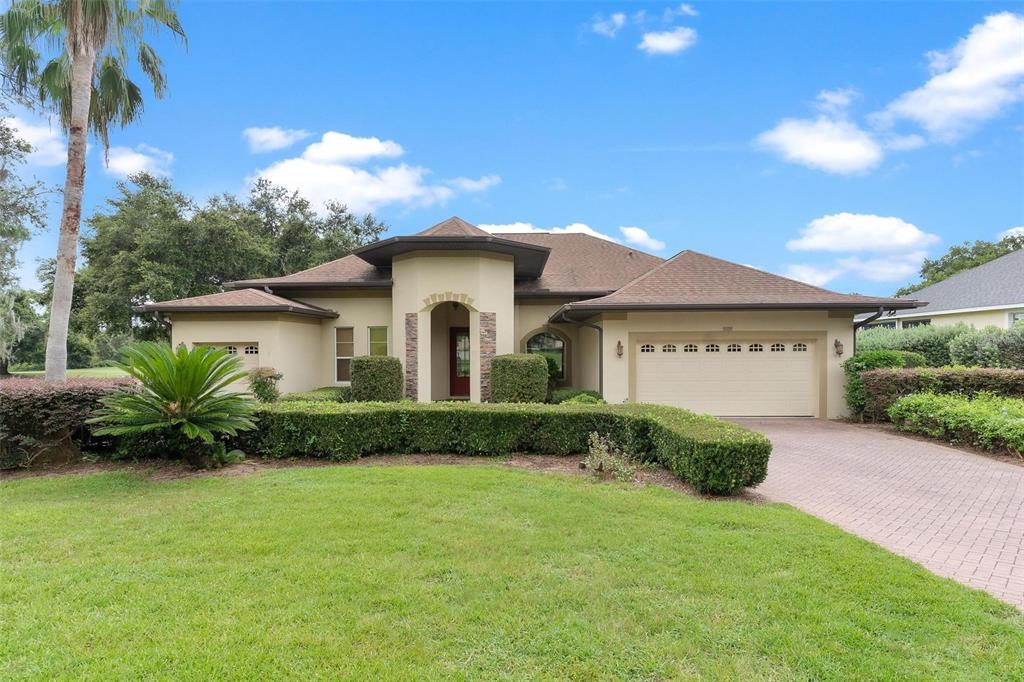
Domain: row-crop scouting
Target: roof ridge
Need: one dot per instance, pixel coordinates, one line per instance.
(966, 272)
(773, 274)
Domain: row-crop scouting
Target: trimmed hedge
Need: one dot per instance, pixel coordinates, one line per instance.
(377, 378)
(863, 361)
(931, 341)
(560, 395)
(883, 387)
(336, 394)
(985, 421)
(519, 378)
(989, 347)
(40, 419)
(712, 455)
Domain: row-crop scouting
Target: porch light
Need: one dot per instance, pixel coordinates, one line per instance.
(618, 348)
(839, 348)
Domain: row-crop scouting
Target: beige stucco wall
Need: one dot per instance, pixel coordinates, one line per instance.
(821, 326)
(978, 319)
(531, 317)
(483, 282)
(287, 342)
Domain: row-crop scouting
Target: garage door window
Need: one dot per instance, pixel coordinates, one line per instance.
(756, 348)
(778, 347)
(799, 347)
(232, 350)
(647, 348)
(734, 348)
(711, 348)
(690, 348)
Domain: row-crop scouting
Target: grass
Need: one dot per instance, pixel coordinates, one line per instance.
(462, 573)
(87, 373)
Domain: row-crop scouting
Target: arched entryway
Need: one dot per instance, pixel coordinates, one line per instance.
(451, 356)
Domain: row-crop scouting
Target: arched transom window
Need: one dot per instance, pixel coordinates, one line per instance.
(778, 347)
(669, 348)
(552, 347)
(647, 348)
(711, 348)
(799, 347)
(734, 348)
(690, 348)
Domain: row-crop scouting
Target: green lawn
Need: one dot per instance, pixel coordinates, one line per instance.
(462, 572)
(89, 372)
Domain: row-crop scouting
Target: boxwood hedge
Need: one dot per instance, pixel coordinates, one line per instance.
(519, 378)
(986, 421)
(714, 456)
(376, 377)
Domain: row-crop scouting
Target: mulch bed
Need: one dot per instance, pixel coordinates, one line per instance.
(1008, 457)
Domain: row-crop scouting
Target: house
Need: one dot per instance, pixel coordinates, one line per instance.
(693, 330)
(991, 294)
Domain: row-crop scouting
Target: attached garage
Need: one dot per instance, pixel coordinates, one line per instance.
(765, 377)
(248, 351)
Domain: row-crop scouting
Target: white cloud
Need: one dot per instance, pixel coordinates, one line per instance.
(971, 83)
(883, 269)
(836, 102)
(609, 26)
(478, 185)
(336, 147)
(48, 146)
(329, 170)
(125, 161)
(811, 274)
(668, 42)
(835, 146)
(1012, 232)
(638, 236)
(903, 143)
(270, 139)
(853, 232)
(683, 10)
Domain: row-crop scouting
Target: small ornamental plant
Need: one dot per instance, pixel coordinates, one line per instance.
(606, 460)
(184, 397)
(263, 384)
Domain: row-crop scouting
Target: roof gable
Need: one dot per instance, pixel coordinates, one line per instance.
(999, 282)
(453, 227)
(241, 300)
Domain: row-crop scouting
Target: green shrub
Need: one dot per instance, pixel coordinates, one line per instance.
(605, 459)
(985, 421)
(862, 361)
(562, 394)
(377, 378)
(519, 378)
(184, 396)
(712, 455)
(336, 394)
(584, 399)
(931, 341)
(263, 384)
(42, 420)
(912, 359)
(883, 387)
(1011, 347)
(977, 348)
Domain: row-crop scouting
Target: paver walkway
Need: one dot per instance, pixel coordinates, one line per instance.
(959, 514)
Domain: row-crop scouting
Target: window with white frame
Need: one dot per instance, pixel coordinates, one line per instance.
(910, 324)
(668, 348)
(778, 347)
(733, 348)
(799, 347)
(756, 348)
(344, 349)
(711, 348)
(690, 348)
(1016, 316)
(647, 348)
(377, 340)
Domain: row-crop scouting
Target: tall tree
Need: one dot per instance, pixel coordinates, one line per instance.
(74, 55)
(962, 257)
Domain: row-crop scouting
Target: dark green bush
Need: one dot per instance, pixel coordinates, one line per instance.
(376, 378)
(931, 341)
(985, 421)
(519, 378)
(40, 419)
(882, 387)
(977, 348)
(562, 394)
(263, 384)
(1011, 347)
(336, 394)
(862, 361)
(584, 399)
(712, 455)
(912, 359)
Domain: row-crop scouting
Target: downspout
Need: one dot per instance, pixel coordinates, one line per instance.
(600, 346)
(858, 325)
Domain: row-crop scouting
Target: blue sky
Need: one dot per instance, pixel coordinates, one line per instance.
(836, 142)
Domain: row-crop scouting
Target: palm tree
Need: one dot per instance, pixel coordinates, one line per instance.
(72, 54)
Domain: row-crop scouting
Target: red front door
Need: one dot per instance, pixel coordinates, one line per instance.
(458, 363)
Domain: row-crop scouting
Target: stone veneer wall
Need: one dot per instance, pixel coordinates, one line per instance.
(488, 344)
(411, 355)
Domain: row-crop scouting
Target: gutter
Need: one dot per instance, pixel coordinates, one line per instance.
(867, 320)
(600, 345)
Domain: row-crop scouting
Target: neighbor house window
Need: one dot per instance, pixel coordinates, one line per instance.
(916, 323)
(378, 340)
(891, 324)
(551, 347)
(1016, 316)
(344, 349)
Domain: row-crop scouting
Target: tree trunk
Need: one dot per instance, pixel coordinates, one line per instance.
(4, 369)
(83, 63)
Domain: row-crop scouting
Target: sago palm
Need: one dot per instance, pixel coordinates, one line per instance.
(72, 55)
(183, 393)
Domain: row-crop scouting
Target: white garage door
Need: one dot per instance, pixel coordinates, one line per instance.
(250, 354)
(730, 378)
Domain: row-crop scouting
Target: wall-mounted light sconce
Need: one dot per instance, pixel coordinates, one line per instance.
(839, 348)
(618, 348)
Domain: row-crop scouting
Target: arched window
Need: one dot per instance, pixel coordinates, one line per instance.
(756, 348)
(647, 348)
(799, 347)
(252, 350)
(778, 347)
(551, 347)
(711, 348)
(669, 348)
(733, 348)
(232, 350)
(690, 348)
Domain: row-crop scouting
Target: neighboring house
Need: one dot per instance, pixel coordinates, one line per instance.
(991, 294)
(693, 330)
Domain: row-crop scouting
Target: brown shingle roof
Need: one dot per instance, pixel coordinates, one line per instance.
(349, 271)
(453, 227)
(241, 300)
(696, 281)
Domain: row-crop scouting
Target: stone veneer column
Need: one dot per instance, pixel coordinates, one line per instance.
(488, 343)
(411, 355)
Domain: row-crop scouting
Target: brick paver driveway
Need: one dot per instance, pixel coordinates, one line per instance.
(959, 514)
